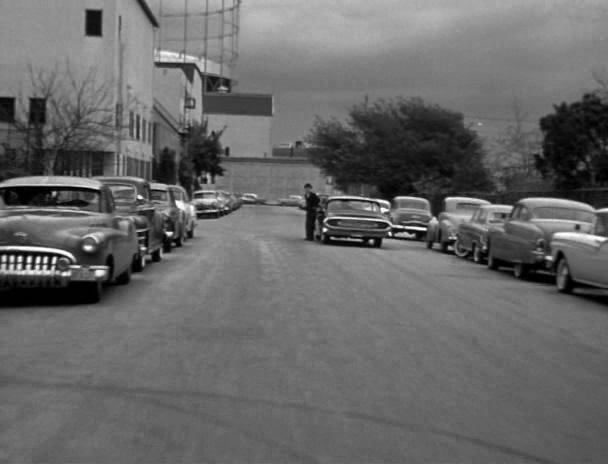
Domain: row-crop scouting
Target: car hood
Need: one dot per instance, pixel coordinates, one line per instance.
(46, 228)
(410, 213)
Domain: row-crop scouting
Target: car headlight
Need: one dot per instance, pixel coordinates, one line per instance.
(90, 244)
(63, 264)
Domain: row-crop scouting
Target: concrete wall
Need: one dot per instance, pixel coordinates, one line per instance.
(47, 34)
(271, 178)
(247, 136)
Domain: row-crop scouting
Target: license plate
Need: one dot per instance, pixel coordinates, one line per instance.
(83, 275)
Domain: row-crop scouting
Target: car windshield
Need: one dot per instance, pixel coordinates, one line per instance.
(497, 217)
(601, 225)
(204, 195)
(464, 207)
(354, 205)
(562, 214)
(123, 193)
(411, 203)
(160, 196)
(51, 197)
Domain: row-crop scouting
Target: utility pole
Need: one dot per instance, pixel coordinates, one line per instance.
(119, 101)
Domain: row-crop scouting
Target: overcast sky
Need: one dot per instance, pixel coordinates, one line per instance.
(473, 56)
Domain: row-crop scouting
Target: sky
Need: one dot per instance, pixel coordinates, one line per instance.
(319, 57)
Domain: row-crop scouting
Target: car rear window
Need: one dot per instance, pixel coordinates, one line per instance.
(411, 204)
(123, 193)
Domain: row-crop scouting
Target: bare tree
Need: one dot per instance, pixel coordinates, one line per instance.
(514, 150)
(66, 113)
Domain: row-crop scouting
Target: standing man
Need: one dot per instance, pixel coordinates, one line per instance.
(312, 202)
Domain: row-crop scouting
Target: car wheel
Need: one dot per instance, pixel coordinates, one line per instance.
(443, 246)
(90, 292)
(217, 215)
(125, 277)
(459, 250)
(520, 270)
(420, 237)
(179, 241)
(377, 243)
(493, 263)
(157, 255)
(563, 279)
(477, 258)
(167, 246)
(325, 239)
(139, 263)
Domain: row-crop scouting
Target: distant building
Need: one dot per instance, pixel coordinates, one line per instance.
(247, 119)
(113, 37)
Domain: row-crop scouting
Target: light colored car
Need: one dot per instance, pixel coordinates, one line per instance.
(582, 258)
(291, 200)
(61, 231)
(208, 203)
(385, 208)
(250, 199)
(472, 235)
(350, 217)
(183, 203)
(410, 215)
(524, 241)
(455, 211)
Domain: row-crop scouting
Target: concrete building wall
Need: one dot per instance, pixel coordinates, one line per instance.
(271, 178)
(246, 136)
(49, 34)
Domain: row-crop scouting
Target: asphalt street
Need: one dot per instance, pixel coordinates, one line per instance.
(251, 345)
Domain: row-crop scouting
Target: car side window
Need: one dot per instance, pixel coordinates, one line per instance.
(482, 216)
(524, 214)
(515, 213)
(109, 201)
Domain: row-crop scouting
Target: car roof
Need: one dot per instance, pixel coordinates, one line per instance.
(601, 210)
(537, 202)
(159, 186)
(129, 179)
(496, 207)
(352, 198)
(53, 181)
(206, 191)
(464, 199)
(409, 197)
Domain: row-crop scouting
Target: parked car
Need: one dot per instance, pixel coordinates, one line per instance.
(133, 198)
(250, 199)
(472, 235)
(385, 208)
(183, 202)
(524, 241)
(582, 259)
(64, 231)
(291, 200)
(348, 217)
(173, 217)
(454, 211)
(410, 215)
(207, 202)
(231, 201)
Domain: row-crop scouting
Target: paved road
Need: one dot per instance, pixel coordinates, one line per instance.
(252, 345)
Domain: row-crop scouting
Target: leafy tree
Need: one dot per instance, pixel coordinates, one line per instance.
(204, 151)
(575, 143)
(74, 113)
(400, 146)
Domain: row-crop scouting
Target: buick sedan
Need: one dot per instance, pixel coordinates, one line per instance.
(57, 232)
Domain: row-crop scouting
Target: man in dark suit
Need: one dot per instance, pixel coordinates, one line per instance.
(312, 203)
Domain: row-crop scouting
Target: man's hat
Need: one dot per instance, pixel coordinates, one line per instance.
(308, 186)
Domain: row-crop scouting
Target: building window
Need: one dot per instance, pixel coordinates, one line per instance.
(93, 23)
(37, 110)
(150, 132)
(144, 127)
(7, 109)
(137, 126)
(131, 124)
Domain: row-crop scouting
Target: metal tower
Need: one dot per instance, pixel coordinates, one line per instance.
(205, 30)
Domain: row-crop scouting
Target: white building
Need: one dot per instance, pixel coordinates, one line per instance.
(112, 38)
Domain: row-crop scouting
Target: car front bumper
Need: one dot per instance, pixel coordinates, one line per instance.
(410, 228)
(355, 233)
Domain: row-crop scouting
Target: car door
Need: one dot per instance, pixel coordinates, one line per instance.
(588, 258)
(466, 231)
(519, 235)
(123, 241)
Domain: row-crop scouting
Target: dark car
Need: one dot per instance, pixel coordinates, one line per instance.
(133, 198)
(524, 241)
(249, 199)
(174, 219)
(472, 235)
(410, 215)
(60, 231)
(351, 217)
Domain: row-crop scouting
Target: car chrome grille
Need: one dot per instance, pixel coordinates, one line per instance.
(355, 224)
(27, 268)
